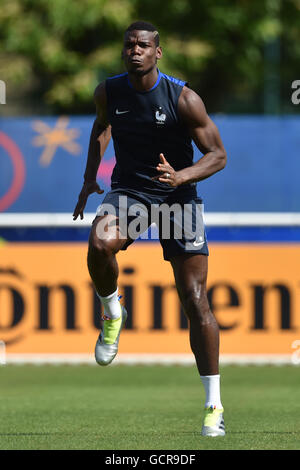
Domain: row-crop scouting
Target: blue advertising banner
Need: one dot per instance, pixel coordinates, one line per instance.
(42, 162)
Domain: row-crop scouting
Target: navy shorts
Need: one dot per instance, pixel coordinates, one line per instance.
(178, 219)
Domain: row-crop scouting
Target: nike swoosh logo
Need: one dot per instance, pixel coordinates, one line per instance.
(122, 112)
(195, 243)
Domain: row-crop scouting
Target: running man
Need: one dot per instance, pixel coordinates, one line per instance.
(153, 119)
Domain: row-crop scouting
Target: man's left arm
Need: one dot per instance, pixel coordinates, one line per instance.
(206, 136)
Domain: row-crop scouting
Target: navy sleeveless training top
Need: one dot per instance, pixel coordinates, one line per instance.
(145, 124)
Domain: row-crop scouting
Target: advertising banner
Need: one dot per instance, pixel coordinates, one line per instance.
(42, 162)
(48, 304)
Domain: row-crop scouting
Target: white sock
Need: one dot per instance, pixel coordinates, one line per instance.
(212, 390)
(111, 305)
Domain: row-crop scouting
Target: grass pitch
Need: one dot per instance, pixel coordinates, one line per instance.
(145, 407)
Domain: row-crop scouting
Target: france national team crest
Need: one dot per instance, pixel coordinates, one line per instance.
(160, 116)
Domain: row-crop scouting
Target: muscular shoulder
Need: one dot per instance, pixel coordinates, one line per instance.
(191, 107)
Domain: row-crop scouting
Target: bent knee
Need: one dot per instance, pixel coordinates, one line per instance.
(101, 248)
(196, 306)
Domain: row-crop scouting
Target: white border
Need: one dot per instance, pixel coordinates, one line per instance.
(230, 219)
(148, 359)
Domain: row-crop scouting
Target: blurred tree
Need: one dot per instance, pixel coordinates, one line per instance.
(234, 53)
(53, 53)
(240, 55)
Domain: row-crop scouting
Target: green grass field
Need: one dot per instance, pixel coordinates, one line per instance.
(145, 407)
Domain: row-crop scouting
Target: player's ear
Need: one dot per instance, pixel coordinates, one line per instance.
(159, 52)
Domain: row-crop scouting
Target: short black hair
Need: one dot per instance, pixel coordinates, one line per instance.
(144, 26)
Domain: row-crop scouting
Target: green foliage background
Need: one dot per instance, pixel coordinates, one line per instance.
(241, 56)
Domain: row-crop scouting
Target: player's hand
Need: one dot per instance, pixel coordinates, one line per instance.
(88, 188)
(167, 173)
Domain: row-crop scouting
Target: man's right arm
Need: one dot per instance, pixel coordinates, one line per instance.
(99, 140)
(100, 135)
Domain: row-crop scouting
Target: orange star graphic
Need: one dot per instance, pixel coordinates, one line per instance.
(53, 138)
